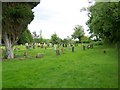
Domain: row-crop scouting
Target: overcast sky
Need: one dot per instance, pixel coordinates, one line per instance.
(58, 16)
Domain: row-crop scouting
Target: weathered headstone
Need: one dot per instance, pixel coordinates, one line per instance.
(57, 52)
(42, 46)
(25, 53)
(69, 47)
(39, 55)
(104, 51)
(83, 47)
(63, 45)
(91, 45)
(62, 49)
(38, 44)
(72, 48)
(55, 46)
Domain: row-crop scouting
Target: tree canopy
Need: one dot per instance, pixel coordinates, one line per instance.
(55, 39)
(105, 20)
(78, 32)
(15, 18)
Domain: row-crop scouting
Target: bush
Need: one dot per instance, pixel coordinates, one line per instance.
(98, 43)
(86, 41)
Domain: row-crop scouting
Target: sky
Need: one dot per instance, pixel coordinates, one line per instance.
(59, 16)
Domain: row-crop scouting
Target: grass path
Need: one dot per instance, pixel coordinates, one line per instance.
(81, 69)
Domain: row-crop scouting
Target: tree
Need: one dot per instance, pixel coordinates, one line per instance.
(25, 37)
(15, 18)
(54, 39)
(78, 32)
(105, 20)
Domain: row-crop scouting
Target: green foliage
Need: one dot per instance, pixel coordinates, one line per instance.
(85, 39)
(78, 32)
(65, 41)
(55, 39)
(26, 37)
(15, 18)
(98, 43)
(105, 20)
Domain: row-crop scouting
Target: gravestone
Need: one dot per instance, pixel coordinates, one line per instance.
(25, 53)
(38, 44)
(57, 52)
(62, 49)
(83, 47)
(55, 46)
(104, 51)
(91, 45)
(69, 47)
(39, 55)
(27, 46)
(42, 46)
(63, 45)
(72, 48)
(33, 46)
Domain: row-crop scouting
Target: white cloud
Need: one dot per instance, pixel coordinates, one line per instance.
(58, 16)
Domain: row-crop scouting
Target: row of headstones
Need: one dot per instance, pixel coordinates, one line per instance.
(33, 46)
(90, 46)
(44, 45)
(62, 50)
(38, 55)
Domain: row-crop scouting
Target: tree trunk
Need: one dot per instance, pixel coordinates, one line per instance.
(9, 52)
(9, 47)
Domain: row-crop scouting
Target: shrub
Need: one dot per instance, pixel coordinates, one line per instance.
(98, 43)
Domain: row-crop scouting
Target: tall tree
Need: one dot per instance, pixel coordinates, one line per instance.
(15, 18)
(54, 39)
(105, 20)
(78, 32)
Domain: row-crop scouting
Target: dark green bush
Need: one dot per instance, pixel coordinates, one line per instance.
(98, 43)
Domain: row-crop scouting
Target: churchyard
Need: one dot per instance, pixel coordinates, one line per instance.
(78, 48)
(89, 68)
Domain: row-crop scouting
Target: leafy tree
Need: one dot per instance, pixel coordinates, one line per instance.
(54, 39)
(26, 37)
(105, 20)
(85, 39)
(78, 32)
(15, 18)
(65, 41)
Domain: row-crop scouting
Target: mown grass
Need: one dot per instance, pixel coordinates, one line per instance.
(81, 69)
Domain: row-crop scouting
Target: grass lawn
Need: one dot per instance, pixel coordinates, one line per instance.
(81, 69)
